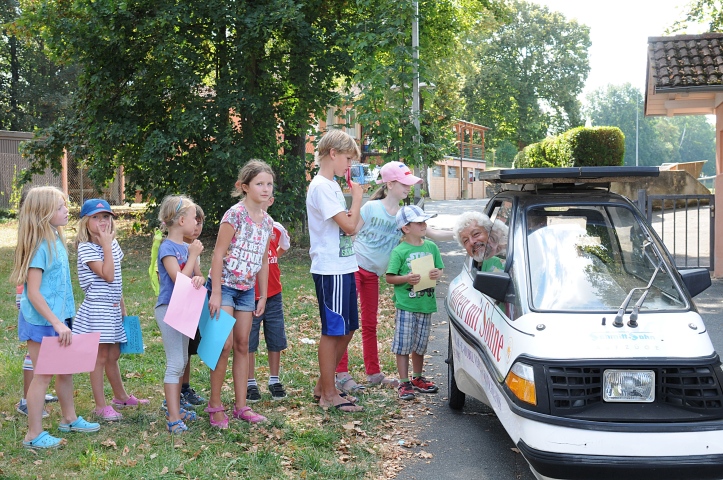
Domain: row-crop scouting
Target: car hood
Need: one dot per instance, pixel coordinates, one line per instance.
(573, 336)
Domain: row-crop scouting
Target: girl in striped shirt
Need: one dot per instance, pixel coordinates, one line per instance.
(99, 273)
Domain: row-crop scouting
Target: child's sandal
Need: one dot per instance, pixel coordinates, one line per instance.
(317, 398)
(223, 424)
(248, 415)
(186, 415)
(347, 384)
(131, 402)
(176, 427)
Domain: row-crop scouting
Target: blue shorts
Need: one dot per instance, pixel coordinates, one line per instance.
(411, 332)
(28, 331)
(240, 300)
(337, 303)
(274, 332)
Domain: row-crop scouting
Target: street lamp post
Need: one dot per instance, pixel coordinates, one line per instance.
(415, 90)
(637, 109)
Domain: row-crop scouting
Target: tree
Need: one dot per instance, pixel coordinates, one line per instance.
(505, 154)
(181, 94)
(696, 140)
(531, 70)
(701, 11)
(660, 139)
(380, 88)
(34, 90)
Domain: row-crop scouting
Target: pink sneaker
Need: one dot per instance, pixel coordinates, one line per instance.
(131, 402)
(107, 413)
(245, 413)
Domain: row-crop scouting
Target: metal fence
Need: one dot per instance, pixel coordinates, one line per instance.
(73, 178)
(11, 166)
(685, 223)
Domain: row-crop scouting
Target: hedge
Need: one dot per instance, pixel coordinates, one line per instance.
(578, 147)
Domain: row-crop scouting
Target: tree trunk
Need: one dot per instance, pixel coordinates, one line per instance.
(14, 83)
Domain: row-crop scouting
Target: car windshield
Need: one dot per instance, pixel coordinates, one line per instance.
(589, 258)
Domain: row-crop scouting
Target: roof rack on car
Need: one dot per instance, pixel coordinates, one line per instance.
(568, 177)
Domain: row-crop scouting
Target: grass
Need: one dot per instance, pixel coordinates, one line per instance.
(300, 440)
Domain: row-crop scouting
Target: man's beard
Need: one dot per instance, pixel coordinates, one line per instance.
(478, 252)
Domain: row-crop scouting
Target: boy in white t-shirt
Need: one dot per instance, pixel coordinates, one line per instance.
(333, 261)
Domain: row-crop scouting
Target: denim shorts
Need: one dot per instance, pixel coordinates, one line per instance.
(240, 300)
(28, 331)
(274, 332)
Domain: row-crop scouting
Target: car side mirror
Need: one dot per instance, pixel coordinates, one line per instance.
(492, 284)
(696, 280)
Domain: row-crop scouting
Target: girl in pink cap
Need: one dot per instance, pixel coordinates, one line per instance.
(377, 235)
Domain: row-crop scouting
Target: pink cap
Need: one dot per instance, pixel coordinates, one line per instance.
(397, 171)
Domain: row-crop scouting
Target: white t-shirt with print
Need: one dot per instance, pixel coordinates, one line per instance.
(332, 251)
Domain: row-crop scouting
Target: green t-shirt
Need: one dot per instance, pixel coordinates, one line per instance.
(493, 264)
(405, 298)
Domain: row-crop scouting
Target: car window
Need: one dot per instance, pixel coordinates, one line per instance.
(590, 258)
(498, 240)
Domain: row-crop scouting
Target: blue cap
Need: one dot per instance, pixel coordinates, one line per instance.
(95, 205)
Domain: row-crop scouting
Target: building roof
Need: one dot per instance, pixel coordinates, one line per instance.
(685, 74)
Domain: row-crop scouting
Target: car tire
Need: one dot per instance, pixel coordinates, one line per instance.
(455, 395)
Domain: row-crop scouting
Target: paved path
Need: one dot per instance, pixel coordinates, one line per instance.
(472, 443)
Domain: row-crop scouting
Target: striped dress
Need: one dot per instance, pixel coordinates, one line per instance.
(100, 311)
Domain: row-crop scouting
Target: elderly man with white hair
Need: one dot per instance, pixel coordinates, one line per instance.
(472, 232)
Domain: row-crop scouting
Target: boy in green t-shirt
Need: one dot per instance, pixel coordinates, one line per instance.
(413, 318)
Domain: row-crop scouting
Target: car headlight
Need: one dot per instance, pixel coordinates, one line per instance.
(521, 382)
(629, 386)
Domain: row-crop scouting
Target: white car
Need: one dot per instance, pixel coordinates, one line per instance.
(583, 337)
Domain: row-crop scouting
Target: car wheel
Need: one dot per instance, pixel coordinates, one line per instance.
(456, 396)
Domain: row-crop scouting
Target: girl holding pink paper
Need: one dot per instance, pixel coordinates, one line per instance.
(239, 258)
(47, 306)
(99, 273)
(177, 215)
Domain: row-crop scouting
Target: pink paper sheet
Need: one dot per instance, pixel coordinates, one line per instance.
(184, 309)
(78, 357)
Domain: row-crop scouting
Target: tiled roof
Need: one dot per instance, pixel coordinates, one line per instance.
(686, 61)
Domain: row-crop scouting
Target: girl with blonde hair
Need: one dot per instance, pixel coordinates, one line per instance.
(178, 218)
(47, 306)
(99, 274)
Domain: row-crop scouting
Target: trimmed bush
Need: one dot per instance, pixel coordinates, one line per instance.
(532, 156)
(578, 147)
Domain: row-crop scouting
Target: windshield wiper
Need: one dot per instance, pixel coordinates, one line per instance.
(636, 309)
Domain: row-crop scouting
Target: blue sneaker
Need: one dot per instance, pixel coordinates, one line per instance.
(79, 425)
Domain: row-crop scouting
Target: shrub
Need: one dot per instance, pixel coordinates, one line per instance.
(532, 156)
(596, 147)
(578, 147)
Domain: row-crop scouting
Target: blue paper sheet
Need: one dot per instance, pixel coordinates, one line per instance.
(214, 333)
(132, 326)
